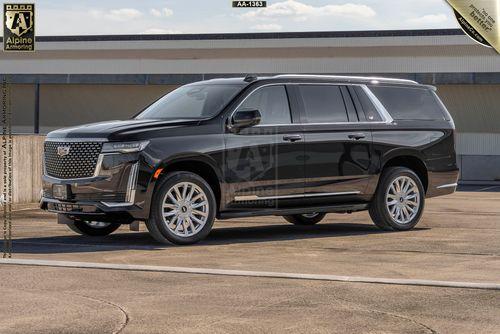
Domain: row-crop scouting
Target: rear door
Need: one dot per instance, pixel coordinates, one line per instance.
(337, 144)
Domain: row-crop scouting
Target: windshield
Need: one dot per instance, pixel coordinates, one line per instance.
(191, 102)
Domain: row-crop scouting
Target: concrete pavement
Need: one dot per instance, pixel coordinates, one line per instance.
(457, 240)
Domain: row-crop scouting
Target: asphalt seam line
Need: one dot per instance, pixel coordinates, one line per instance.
(245, 273)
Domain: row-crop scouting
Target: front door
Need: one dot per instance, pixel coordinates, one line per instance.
(265, 163)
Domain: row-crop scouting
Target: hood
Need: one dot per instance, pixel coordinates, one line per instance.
(111, 129)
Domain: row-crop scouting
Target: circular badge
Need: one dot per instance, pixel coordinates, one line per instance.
(470, 31)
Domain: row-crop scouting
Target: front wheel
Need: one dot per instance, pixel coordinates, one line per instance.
(88, 228)
(399, 201)
(305, 218)
(183, 209)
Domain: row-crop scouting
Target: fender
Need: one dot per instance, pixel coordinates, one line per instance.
(177, 158)
(401, 152)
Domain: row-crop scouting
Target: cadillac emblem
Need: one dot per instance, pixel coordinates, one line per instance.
(62, 151)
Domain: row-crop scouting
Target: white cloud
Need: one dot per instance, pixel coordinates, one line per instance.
(165, 12)
(153, 31)
(300, 11)
(267, 27)
(155, 12)
(427, 20)
(122, 14)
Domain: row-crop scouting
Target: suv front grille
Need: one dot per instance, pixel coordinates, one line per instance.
(79, 162)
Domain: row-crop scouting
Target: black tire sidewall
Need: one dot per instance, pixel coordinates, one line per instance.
(159, 230)
(386, 181)
(81, 227)
(302, 220)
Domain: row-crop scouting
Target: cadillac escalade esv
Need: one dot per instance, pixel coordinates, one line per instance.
(297, 146)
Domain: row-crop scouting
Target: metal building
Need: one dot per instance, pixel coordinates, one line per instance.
(72, 80)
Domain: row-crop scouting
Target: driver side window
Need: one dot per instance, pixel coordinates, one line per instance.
(272, 102)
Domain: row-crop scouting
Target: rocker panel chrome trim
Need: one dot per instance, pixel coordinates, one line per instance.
(259, 198)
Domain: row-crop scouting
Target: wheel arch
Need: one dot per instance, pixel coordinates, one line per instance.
(411, 161)
(201, 165)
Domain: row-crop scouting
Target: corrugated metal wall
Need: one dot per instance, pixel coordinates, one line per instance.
(68, 105)
(476, 111)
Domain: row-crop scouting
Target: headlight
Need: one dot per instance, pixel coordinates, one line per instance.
(124, 147)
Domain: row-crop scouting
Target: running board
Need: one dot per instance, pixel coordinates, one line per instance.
(342, 208)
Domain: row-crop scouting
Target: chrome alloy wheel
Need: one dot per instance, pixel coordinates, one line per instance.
(185, 209)
(403, 200)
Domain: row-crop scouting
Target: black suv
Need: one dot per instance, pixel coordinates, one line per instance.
(298, 146)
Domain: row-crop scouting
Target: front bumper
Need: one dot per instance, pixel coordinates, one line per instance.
(110, 192)
(90, 210)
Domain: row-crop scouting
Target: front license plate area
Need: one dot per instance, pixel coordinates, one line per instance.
(60, 191)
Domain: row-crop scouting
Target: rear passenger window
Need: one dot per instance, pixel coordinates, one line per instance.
(369, 109)
(272, 102)
(323, 103)
(409, 103)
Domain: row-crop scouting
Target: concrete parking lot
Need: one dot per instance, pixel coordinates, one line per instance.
(458, 240)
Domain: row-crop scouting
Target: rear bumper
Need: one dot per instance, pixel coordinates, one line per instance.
(442, 183)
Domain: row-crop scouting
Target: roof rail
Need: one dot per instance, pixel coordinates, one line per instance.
(250, 78)
(345, 77)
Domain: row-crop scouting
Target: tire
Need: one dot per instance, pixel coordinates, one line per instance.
(387, 201)
(92, 229)
(305, 219)
(186, 222)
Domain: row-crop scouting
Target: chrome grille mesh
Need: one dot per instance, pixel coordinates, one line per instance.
(80, 162)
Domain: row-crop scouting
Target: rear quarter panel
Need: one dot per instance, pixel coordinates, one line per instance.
(430, 141)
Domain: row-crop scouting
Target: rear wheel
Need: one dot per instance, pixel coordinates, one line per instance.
(183, 209)
(305, 218)
(399, 201)
(88, 228)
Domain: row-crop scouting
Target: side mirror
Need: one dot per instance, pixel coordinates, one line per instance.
(245, 118)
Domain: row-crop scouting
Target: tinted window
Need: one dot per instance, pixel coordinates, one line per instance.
(191, 102)
(409, 103)
(369, 109)
(323, 104)
(272, 102)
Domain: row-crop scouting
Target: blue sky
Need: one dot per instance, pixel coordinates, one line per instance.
(63, 17)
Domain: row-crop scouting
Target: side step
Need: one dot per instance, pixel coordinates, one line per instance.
(341, 208)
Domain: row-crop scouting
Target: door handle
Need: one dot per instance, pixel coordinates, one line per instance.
(292, 138)
(356, 136)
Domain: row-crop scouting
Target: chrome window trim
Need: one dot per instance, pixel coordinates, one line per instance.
(259, 198)
(339, 123)
(379, 107)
